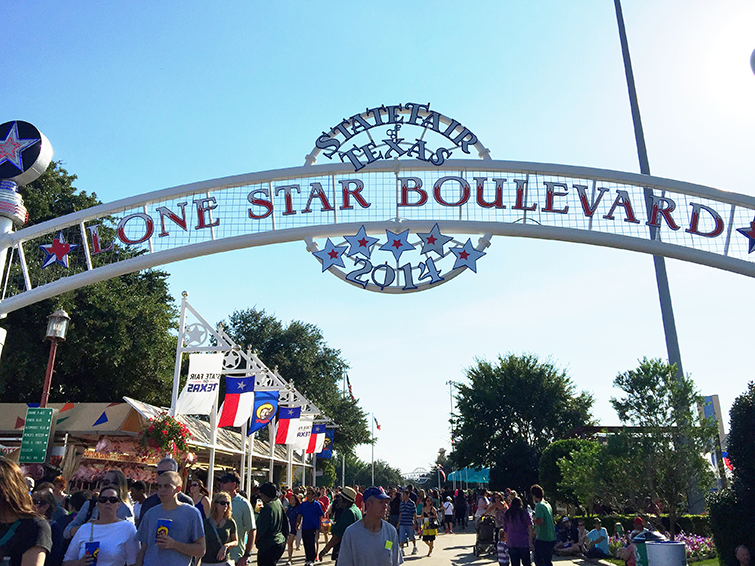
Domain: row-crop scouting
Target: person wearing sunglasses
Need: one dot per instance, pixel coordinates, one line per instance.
(117, 540)
(199, 495)
(220, 531)
(45, 503)
(165, 465)
(115, 479)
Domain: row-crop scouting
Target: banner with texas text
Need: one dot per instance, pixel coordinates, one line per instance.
(201, 387)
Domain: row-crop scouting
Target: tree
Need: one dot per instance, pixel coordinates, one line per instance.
(119, 342)
(673, 437)
(303, 358)
(603, 473)
(510, 412)
(359, 472)
(550, 471)
(732, 510)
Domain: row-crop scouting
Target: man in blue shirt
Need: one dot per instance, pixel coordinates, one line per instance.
(309, 512)
(597, 541)
(407, 513)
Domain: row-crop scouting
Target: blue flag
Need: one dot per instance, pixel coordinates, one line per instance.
(264, 410)
(327, 447)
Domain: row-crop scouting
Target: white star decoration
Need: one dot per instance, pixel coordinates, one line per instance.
(466, 256)
(360, 244)
(434, 241)
(331, 255)
(12, 147)
(397, 243)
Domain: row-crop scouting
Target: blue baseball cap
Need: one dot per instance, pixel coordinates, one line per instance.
(376, 492)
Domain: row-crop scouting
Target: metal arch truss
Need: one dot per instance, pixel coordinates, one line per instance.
(198, 337)
(481, 197)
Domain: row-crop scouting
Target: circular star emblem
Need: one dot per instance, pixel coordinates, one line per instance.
(25, 152)
(195, 334)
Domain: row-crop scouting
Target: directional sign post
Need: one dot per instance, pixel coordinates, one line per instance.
(38, 431)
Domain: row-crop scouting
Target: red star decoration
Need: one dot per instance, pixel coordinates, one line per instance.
(363, 242)
(431, 239)
(333, 254)
(396, 244)
(9, 148)
(464, 255)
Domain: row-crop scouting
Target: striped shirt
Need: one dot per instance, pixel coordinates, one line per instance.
(406, 513)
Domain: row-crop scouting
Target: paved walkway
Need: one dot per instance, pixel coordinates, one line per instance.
(454, 550)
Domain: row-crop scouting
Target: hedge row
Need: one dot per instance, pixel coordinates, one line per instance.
(690, 524)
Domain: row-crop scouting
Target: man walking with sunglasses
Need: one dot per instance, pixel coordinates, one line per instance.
(164, 465)
(171, 533)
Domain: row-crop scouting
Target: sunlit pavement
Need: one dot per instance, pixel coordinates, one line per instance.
(453, 549)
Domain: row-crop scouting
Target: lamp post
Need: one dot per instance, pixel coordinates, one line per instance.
(57, 326)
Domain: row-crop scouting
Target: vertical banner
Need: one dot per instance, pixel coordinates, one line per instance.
(201, 387)
(303, 431)
(316, 439)
(327, 446)
(265, 407)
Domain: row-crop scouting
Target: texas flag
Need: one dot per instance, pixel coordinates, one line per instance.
(288, 425)
(316, 439)
(239, 399)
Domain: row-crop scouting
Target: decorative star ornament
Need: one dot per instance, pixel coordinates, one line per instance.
(57, 252)
(12, 147)
(750, 234)
(434, 241)
(397, 243)
(466, 256)
(331, 255)
(361, 244)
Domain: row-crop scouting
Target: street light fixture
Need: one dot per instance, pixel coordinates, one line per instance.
(57, 326)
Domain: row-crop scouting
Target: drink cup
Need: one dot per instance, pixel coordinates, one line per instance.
(163, 527)
(92, 547)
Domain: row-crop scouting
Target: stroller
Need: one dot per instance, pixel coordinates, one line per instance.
(485, 542)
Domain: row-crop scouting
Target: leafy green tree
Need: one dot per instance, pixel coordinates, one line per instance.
(603, 473)
(119, 342)
(359, 472)
(510, 412)
(732, 510)
(303, 358)
(550, 471)
(673, 436)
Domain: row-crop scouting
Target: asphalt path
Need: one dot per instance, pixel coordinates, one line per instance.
(450, 549)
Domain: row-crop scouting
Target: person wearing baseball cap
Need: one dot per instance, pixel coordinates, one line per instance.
(371, 540)
(349, 515)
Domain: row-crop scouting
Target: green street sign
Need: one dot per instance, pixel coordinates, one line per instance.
(37, 433)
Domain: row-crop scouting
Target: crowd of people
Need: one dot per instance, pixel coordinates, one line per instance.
(180, 525)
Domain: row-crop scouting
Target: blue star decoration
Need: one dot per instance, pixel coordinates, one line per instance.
(466, 256)
(397, 243)
(12, 148)
(434, 241)
(57, 252)
(361, 244)
(750, 234)
(331, 255)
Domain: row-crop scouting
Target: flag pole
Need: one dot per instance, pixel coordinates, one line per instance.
(179, 354)
(249, 486)
(373, 448)
(242, 470)
(272, 431)
(343, 456)
(213, 442)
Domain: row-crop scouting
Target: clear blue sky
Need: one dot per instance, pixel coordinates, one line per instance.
(140, 96)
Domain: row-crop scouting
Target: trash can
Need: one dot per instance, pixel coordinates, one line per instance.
(639, 543)
(666, 553)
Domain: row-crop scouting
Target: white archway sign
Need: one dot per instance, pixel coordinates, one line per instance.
(472, 197)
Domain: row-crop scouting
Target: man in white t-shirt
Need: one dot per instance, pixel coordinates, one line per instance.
(371, 541)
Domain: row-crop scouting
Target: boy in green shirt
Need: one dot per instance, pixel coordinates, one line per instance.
(544, 532)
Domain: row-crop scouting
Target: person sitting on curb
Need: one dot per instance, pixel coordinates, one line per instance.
(597, 541)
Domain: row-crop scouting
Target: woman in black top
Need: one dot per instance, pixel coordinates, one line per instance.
(24, 536)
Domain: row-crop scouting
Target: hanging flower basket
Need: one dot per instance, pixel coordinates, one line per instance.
(165, 435)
